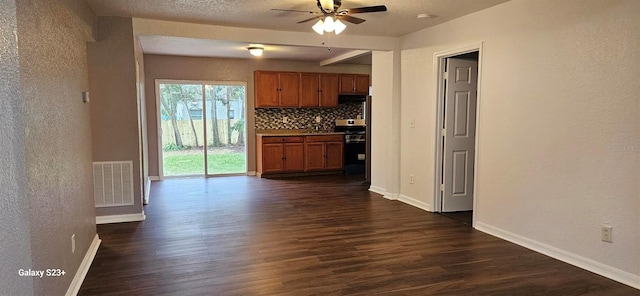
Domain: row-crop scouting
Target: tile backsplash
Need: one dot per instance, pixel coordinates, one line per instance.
(304, 118)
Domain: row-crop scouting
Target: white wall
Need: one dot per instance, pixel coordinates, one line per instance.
(559, 126)
(381, 130)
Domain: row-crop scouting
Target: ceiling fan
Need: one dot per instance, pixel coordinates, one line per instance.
(330, 15)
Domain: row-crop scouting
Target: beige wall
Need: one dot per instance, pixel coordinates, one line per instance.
(217, 69)
(15, 238)
(558, 131)
(114, 103)
(57, 140)
(142, 117)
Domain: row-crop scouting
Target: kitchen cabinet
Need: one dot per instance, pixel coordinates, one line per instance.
(356, 84)
(323, 153)
(319, 90)
(299, 154)
(280, 154)
(276, 89)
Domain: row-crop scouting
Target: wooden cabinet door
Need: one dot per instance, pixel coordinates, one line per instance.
(314, 156)
(294, 157)
(361, 84)
(354, 84)
(272, 158)
(329, 90)
(266, 89)
(334, 155)
(309, 90)
(289, 89)
(347, 83)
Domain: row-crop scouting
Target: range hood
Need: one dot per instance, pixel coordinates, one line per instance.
(352, 98)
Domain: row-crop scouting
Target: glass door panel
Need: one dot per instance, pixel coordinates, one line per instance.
(182, 126)
(225, 128)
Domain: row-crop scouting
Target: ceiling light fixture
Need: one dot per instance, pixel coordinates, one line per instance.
(256, 51)
(329, 25)
(425, 15)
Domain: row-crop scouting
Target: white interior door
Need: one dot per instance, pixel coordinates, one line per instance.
(459, 134)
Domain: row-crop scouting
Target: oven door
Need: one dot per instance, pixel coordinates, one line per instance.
(354, 157)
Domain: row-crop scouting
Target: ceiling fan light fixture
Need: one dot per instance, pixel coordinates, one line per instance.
(339, 26)
(329, 24)
(327, 4)
(319, 27)
(256, 51)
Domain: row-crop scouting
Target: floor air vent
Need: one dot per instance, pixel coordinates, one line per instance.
(113, 183)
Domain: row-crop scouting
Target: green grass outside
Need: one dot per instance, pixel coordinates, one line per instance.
(192, 164)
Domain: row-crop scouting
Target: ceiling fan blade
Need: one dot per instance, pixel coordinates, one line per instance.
(326, 5)
(351, 19)
(309, 19)
(366, 9)
(293, 10)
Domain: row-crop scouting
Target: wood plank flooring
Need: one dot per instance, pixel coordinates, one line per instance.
(324, 235)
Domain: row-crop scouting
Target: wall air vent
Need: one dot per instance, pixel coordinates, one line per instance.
(113, 183)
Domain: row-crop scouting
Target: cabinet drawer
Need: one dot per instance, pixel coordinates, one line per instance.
(282, 139)
(327, 138)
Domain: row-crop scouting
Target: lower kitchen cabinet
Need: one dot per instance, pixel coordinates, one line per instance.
(323, 153)
(334, 158)
(298, 154)
(280, 155)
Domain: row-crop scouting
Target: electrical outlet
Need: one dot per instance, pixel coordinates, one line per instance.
(318, 119)
(73, 243)
(410, 179)
(607, 233)
(285, 119)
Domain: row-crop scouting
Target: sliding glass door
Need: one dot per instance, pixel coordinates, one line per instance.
(226, 150)
(202, 128)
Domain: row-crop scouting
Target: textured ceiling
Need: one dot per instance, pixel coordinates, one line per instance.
(400, 19)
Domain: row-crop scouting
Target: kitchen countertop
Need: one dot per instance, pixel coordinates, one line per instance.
(294, 132)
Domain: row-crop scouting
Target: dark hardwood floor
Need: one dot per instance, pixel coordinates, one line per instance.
(465, 217)
(314, 236)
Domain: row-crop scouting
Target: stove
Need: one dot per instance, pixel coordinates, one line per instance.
(355, 144)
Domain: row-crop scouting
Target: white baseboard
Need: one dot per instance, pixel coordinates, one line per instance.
(147, 189)
(154, 178)
(613, 273)
(377, 190)
(414, 202)
(76, 283)
(120, 218)
(251, 173)
(383, 192)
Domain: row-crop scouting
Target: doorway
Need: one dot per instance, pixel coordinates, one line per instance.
(201, 128)
(458, 85)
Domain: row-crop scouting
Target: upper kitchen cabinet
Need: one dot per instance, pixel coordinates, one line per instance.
(276, 89)
(354, 84)
(318, 90)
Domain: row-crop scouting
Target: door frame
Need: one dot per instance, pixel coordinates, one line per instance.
(161, 175)
(439, 63)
